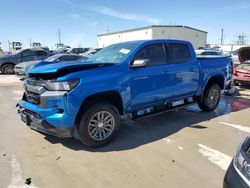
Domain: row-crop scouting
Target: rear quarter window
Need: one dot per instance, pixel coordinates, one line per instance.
(178, 53)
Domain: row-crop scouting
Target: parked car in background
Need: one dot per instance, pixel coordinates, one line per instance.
(235, 57)
(131, 79)
(238, 173)
(210, 53)
(241, 71)
(77, 50)
(90, 52)
(22, 69)
(8, 62)
(45, 48)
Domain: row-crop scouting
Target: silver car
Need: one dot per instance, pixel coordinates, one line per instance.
(22, 69)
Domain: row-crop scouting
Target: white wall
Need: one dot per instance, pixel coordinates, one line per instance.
(106, 40)
(197, 38)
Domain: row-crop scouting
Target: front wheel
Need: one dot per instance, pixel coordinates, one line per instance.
(99, 125)
(211, 98)
(8, 69)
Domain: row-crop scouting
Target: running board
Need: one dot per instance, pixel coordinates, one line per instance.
(160, 111)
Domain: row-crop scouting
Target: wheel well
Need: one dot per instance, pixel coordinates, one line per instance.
(216, 80)
(112, 97)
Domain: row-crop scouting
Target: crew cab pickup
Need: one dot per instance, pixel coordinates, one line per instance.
(87, 99)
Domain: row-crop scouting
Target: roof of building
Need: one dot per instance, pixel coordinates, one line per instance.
(150, 27)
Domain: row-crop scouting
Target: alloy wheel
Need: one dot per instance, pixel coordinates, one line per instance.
(101, 125)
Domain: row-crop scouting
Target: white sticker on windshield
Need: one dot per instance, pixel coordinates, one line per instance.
(124, 51)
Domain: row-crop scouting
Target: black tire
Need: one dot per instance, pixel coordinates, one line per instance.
(88, 119)
(236, 83)
(211, 98)
(8, 69)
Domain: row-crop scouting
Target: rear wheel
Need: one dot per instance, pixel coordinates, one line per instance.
(99, 125)
(8, 69)
(211, 98)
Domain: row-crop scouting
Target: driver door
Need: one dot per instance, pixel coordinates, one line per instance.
(147, 83)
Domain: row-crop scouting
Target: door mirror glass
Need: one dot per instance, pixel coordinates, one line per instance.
(140, 63)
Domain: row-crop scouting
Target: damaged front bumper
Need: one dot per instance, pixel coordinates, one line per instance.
(46, 111)
(36, 122)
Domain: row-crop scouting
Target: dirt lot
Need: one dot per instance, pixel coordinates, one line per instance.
(184, 148)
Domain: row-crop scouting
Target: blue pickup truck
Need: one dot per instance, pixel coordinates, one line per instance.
(87, 99)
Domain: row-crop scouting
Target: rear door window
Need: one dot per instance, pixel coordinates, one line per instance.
(28, 53)
(154, 53)
(68, 58)
(41, 53)
(76, 57)
(178, 53)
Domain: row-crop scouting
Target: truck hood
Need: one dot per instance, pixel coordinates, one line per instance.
(244, 54)
(43, 63)
(55, 70)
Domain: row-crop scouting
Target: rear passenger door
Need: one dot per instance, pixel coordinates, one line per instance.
(182, 73)
(147, 83)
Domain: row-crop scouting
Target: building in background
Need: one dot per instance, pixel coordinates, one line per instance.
(197, 37)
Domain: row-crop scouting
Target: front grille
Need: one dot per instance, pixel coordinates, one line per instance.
(32, 97)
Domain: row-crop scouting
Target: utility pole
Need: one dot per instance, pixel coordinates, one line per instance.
(222, 37)
(241, 39)
(30, 41)
(9, 45)
(59, 35)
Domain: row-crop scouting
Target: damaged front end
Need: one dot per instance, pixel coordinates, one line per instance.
(241, 73)
(50, 102)
(44, 108)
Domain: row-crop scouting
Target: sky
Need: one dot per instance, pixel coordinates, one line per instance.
(80, 21)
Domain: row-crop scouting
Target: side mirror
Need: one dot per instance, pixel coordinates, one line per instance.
(139, 63)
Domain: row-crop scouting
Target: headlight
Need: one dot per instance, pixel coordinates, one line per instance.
(241, 163)
(61, 85)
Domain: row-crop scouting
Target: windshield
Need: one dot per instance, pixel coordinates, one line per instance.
(18, 51)
(116, 53)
